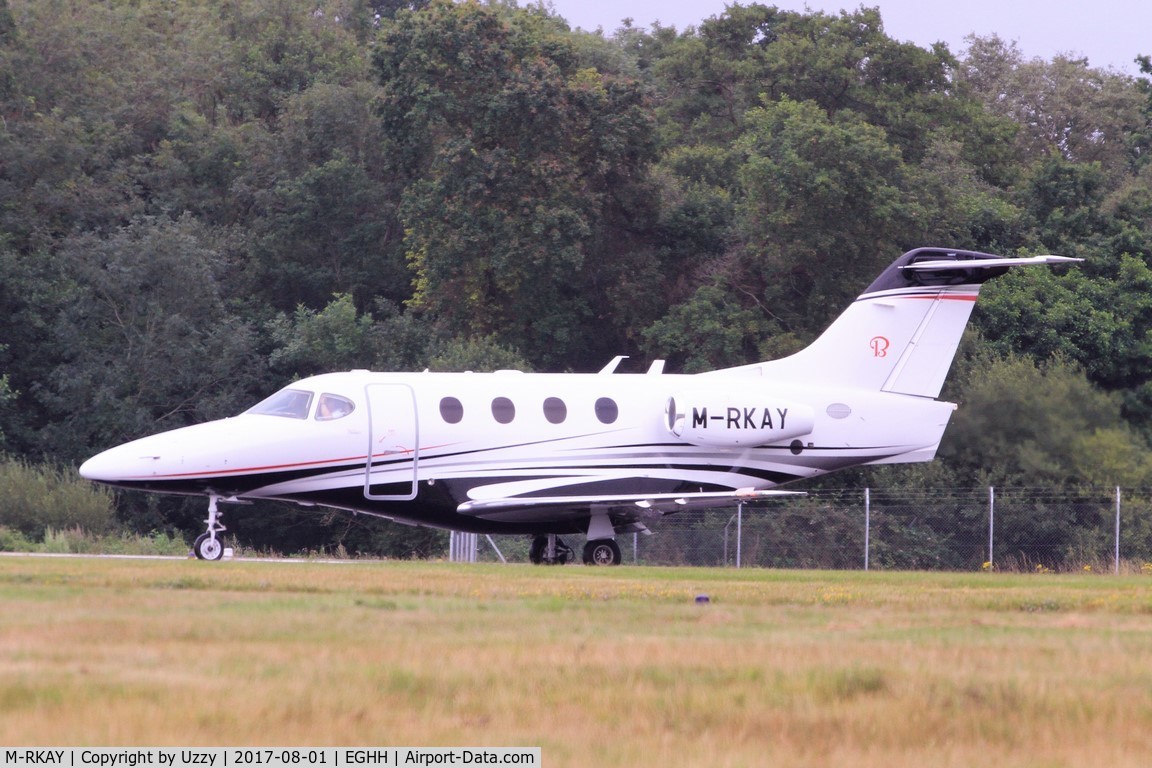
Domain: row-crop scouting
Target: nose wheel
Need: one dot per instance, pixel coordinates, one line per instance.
(209, 546)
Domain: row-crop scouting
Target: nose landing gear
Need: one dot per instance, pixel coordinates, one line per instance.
(208, 546)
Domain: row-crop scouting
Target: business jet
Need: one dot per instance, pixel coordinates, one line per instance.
(596, 454)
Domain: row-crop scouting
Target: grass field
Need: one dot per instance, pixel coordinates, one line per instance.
(599, 667)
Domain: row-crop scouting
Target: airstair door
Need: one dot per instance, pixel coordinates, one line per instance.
(393, 443)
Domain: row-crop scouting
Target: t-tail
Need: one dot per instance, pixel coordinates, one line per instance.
(901, 334)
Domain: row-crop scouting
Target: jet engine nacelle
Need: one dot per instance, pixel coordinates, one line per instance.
(735, 417)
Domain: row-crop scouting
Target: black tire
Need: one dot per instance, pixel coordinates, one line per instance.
(207, 548)
(536, 551)
(602, 552)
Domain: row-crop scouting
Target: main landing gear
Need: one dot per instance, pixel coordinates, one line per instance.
(209, 546)
(549, 550)
(600, 550)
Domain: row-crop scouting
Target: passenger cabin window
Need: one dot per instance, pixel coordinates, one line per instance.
(333, 407)
(555, 410)
(607, 410)
(289, 403)
(451, 410)
(503, 410)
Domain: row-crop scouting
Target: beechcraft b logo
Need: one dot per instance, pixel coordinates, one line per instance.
(879, 346)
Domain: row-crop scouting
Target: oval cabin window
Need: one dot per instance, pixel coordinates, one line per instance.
(607, 410)
(451, 410)
(555, 410)
(503, 410)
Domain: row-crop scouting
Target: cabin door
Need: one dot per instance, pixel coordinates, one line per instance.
(393, 443)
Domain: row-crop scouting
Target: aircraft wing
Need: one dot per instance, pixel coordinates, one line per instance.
(630, 506)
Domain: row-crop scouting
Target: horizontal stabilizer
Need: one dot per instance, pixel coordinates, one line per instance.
(945, 264)
(657, 503)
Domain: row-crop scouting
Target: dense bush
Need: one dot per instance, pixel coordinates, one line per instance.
(37, 497)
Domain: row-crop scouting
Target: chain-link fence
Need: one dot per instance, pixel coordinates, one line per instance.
(940, 529)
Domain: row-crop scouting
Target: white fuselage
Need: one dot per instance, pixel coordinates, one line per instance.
(417, 446)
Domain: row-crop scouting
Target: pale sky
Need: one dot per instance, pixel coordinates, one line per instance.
(1111, 33)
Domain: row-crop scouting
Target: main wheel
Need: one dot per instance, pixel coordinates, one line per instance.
(207, 548)
(602, 552)
(536, 551)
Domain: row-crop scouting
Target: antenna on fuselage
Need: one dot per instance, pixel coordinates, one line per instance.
(613, 363)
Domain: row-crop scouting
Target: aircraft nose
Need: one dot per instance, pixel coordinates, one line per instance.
(175, 460)
(110, 466)
(93, 469)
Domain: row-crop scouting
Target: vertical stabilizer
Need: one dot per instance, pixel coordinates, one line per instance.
(901, 334)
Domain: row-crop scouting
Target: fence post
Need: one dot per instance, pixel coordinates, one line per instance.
(1116, 567)
(462, 547)
(867, 523)
(469, 543)
(739, 530)
(991, 523)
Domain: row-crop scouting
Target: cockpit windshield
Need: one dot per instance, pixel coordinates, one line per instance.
(290, 403)
(333, 407)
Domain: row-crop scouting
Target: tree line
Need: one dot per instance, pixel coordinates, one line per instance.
(201, 201)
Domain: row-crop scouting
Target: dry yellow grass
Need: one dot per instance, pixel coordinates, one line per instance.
(598, 667)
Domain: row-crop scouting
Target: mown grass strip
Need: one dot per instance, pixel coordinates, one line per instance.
(597, 666)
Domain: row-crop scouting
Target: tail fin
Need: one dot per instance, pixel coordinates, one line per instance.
(901, 334)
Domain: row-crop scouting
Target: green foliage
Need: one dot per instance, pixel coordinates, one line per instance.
(202, 201)
(325, 230)
(477, 354)
(77, 541)
(147, 298)
(333, 339)
(1041, 425)
(340, 338)
(521, 171)
(7, 397)
(80, 542)
(964, 208)
(37, 497)
(818, 191)
(805, 533)
(710, 330)
(1099, 316)
(1087, 115)
(712, 78)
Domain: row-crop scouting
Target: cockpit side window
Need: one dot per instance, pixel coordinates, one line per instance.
(333, 407)
(289, 403)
